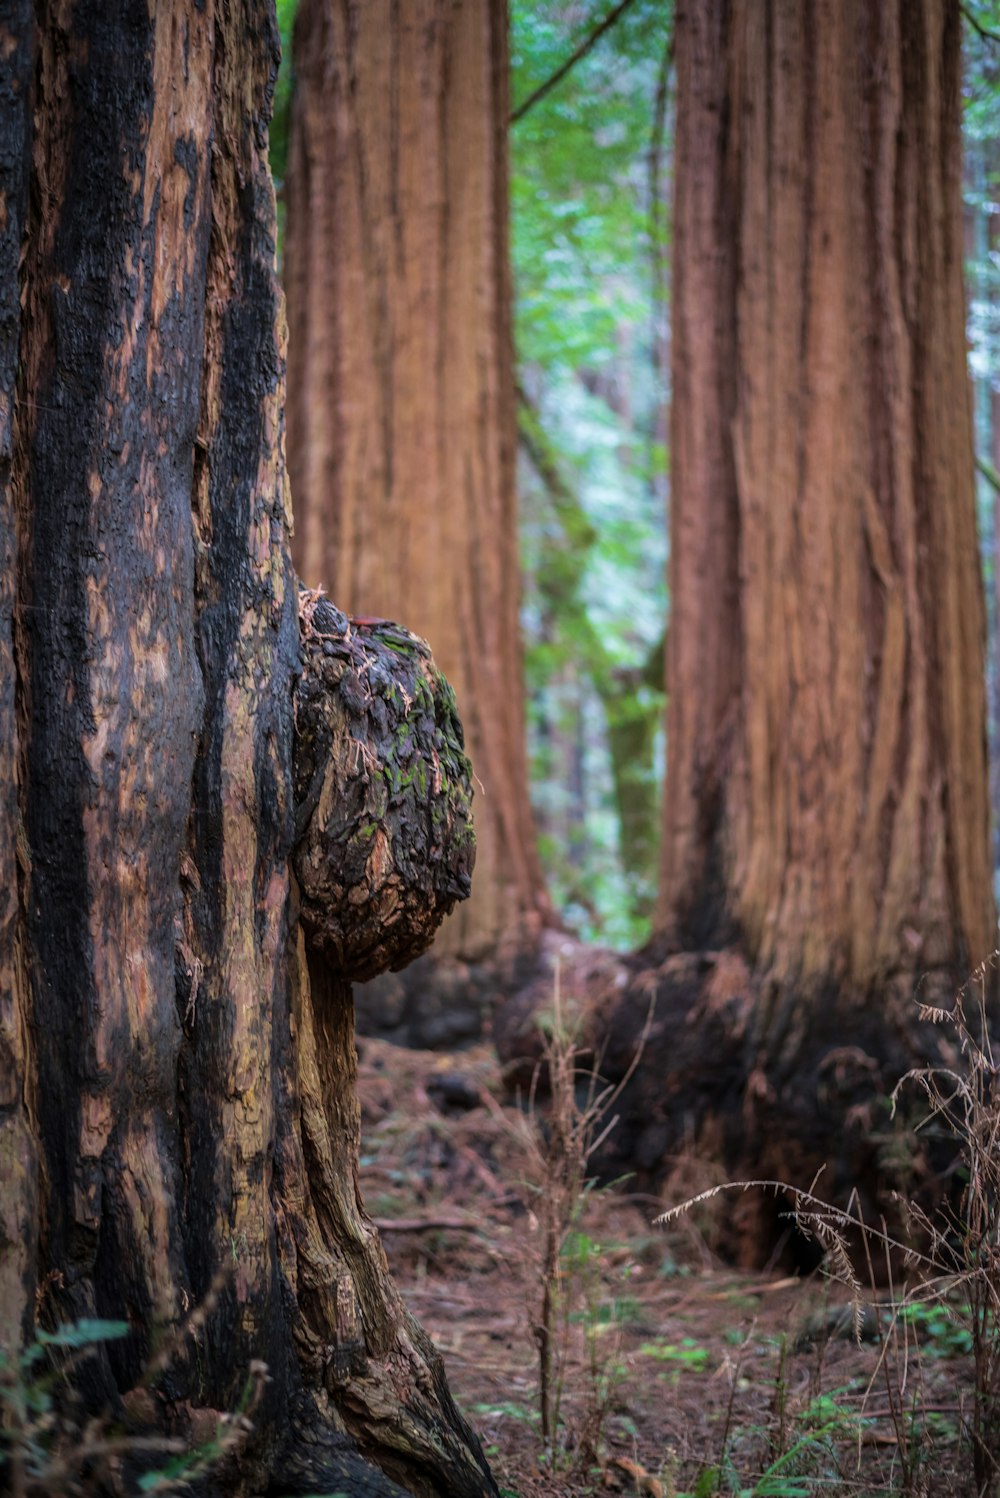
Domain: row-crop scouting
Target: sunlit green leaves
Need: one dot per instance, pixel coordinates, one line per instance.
(591, 350)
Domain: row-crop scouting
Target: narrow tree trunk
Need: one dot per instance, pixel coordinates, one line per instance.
(178, 1125)
(827, 791)
(401, 397)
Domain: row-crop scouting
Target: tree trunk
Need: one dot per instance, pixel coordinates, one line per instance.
(178, 1124)
(401, 396)
(826, 842)
(827, 789)
(993, 427)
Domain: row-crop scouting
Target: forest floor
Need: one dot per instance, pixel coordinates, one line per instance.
(676, 1375)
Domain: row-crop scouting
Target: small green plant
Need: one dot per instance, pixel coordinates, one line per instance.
(687, 1353)
(523, 1413)
(942, 1329)
(38, 1446)
(795, 1470)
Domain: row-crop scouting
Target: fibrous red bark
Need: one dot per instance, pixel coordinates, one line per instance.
(401, 398)
(827, 792)
(826, 855)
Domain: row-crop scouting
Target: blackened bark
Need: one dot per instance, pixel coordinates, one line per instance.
(18, 1150)
(178, 1124)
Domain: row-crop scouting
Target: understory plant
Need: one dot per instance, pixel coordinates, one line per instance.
(50, 1444)
(559, 1147)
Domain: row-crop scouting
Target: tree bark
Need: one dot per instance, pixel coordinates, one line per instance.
(178, 1124)
(826, 856)
(992, 237)
(18, 1143)
(401, 397)
(827, 793)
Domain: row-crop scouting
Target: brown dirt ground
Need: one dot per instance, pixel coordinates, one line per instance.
(692, 1366)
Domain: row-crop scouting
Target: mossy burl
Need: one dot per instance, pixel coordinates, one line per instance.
(385, 845)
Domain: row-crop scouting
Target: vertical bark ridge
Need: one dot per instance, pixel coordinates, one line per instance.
(704, 525)
(838, 776)
(18, 1106)
(247, 638)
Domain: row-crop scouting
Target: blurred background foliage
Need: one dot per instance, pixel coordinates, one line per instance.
(591, 166)
(589, 171)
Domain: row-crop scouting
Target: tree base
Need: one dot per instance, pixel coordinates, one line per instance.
(746, 1078)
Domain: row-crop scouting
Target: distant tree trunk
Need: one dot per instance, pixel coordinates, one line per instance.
(401, 396)
(993, 247)
(826, 840)
(827, 789)
(178, 1122)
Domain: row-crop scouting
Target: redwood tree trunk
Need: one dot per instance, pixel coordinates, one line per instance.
(178, 1124)
(401, 397)
(826, 842)
(827, 794)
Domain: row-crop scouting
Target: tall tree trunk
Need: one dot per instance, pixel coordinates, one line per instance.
(993, 427)
(177, 1109)
(827, 788)
(401, 396)
(826, 841)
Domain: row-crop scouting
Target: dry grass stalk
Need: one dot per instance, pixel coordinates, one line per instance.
(559, 1148)
(957, 1266)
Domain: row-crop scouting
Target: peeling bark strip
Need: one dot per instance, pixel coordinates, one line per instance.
(826, 784)
(177, 1110)
(401, 420)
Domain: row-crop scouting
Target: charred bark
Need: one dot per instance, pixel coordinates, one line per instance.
(178, 1126)
(18, 1143)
